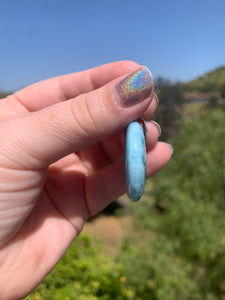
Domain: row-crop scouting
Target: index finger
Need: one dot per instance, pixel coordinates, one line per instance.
(58, 89)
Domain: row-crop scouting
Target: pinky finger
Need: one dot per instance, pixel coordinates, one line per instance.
(109, 183)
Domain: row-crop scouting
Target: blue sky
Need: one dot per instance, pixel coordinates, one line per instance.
(179, 40)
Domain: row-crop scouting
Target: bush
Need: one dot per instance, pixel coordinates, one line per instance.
(85, 274)
(171, 101)
(189, 227)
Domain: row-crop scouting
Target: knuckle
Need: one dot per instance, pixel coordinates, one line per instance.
(87, 114)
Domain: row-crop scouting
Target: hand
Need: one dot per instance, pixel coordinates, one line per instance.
(61, 162)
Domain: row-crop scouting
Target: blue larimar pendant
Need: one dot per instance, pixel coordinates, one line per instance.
(135, 163)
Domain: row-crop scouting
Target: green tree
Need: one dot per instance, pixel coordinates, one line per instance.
(169, 111)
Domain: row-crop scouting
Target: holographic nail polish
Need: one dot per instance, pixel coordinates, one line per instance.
(136, 87)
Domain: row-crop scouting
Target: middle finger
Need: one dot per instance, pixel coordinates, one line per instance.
(112, 150)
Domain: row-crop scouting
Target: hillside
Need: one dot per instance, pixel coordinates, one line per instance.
(211, 82)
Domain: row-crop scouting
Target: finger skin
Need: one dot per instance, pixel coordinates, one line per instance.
(109, 183)
(33, 141)
(112, 149)
(151, 109)
(48, 233)
(44, 129)
(45, 136)
(58, 89)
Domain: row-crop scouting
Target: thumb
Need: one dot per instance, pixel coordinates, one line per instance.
(40, 138)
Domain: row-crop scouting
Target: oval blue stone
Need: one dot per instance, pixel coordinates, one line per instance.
(135, 161)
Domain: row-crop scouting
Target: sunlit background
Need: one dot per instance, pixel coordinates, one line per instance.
(175, 39)
(171, 244)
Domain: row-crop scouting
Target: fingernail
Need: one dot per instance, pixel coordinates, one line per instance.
(135, 88)
(171, 148)
(156, 98)
(158, 127)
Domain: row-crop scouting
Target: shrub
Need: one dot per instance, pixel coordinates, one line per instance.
(85, 274)
(189, 227)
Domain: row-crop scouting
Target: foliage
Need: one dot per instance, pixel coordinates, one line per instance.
(187, 220)
(171, 101)
(85, 274)
(208, 83)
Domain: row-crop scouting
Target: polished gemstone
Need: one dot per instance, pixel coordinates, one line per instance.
(135, 161)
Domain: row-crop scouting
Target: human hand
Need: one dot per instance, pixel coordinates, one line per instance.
(61, 161)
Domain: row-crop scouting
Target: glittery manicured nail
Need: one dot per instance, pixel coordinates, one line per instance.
(135, 87)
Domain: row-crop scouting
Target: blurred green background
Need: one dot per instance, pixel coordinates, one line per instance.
(171, 244)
